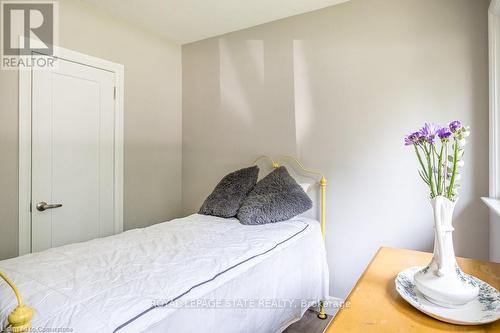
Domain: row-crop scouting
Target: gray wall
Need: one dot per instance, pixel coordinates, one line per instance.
(339, 88)
(152, 118)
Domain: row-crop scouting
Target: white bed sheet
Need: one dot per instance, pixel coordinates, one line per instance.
(284, 284)
(116, 283)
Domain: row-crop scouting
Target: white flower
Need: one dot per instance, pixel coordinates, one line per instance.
(457, 176)
(461, 142)
(460, 163)
(466, 133)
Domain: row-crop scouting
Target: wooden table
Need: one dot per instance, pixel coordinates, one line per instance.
(375, 306)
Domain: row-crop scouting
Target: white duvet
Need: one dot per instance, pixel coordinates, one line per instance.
(128, 282)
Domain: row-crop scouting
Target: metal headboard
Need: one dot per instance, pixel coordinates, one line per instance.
(322, 184)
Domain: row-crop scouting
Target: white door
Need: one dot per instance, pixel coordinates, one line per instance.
(72, 193)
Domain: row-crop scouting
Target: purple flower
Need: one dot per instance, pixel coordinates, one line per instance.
(412, 138)
(429, 132)
(455, 125)
(444, 133)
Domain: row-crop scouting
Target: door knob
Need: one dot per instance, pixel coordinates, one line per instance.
(41, 206)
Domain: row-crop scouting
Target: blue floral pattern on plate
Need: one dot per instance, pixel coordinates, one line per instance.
(484, 309)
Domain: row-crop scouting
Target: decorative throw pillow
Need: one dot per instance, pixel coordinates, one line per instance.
(277, 197)
(226, 198)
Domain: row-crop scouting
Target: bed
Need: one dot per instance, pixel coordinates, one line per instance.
(198, 273)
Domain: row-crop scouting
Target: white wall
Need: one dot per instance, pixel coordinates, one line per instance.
(152, 118)
(339, 88)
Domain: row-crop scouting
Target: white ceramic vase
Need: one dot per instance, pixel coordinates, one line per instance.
(442, 282)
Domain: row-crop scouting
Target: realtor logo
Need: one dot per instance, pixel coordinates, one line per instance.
(29, 31)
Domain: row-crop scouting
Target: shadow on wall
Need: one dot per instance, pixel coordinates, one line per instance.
(243, 109)
(350, 113)
(339, 88)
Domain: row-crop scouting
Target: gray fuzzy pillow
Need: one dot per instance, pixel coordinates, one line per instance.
(226, 198)
(277, 197)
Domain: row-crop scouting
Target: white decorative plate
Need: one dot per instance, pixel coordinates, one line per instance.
(484, 309)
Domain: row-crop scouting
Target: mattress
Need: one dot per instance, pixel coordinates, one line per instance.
(176, 276)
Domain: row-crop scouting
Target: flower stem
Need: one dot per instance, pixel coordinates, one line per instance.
(424, 169)
(454, 171)
(440, 188)
(433, 154)
(429, 172)
(445, 163)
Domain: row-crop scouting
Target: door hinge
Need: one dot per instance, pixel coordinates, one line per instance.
(114, 92)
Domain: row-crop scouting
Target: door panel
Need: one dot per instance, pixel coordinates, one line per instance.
(72, 154)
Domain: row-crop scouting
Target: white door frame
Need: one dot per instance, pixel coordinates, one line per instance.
(493, 201)
(25, 77)
(494, 58)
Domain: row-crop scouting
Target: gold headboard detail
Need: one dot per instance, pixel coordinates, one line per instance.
(306, 170)
(322, 184)
(274, 164)
(322, 181)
